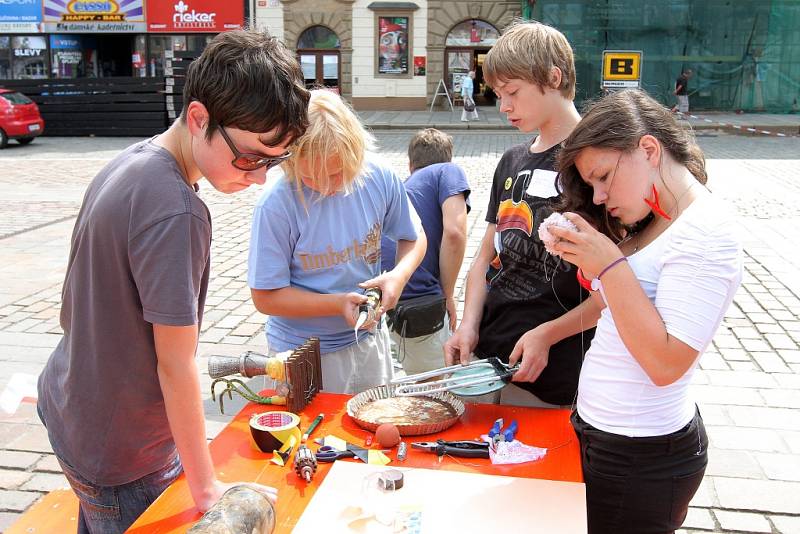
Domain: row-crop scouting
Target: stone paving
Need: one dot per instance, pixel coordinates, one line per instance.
(748, 385)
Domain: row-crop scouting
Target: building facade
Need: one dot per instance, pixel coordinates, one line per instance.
(389, 55)
(395, 55)
(402, 55)
(63, 39)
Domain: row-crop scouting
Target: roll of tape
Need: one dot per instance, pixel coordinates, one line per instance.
(270, 430)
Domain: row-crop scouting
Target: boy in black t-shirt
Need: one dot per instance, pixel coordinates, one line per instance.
(521, 302)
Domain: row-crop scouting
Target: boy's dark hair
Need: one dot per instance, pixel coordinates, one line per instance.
(248, 80)
(429, 146)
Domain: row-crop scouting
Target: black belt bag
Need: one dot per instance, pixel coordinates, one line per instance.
(418, 316)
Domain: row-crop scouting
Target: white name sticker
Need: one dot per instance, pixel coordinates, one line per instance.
(543, 184)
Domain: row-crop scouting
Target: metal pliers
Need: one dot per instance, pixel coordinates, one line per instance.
(464, 449)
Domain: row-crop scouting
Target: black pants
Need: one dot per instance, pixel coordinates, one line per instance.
(640, 485)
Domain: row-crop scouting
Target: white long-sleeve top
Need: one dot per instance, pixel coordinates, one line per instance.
(690, 273)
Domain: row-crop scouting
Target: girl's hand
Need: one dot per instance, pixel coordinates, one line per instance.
(587, 248)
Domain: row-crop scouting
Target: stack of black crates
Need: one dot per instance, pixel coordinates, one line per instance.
(176, 63)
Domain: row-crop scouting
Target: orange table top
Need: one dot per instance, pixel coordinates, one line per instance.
(238, 459)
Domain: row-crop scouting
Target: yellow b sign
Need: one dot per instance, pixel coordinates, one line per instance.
(621, 68)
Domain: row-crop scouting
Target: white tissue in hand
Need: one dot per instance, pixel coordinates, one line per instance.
(555, 219)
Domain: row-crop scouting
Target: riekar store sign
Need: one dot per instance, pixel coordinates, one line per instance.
(90, 16)
(194, 16)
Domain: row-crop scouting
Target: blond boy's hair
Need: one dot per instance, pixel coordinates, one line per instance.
(528, 51)
(333, 130)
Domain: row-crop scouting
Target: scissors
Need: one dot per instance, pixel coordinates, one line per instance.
(327, 454)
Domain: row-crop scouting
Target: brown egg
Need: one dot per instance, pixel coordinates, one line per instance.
(387, 435)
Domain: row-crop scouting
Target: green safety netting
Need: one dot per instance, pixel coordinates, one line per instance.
(745, 54)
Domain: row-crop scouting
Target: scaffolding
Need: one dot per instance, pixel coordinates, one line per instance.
(745, 55)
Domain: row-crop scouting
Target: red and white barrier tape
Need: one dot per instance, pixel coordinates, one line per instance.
(734, 126)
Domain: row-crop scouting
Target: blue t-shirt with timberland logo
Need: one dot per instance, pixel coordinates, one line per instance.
(324, 244)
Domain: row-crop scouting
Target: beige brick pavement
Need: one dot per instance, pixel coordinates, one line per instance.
(748, 386)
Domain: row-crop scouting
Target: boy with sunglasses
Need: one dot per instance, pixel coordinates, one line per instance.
(120, 395)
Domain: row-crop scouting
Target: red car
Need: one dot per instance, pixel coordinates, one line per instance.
(19, 118)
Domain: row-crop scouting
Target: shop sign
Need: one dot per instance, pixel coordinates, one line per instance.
(20, 16)
(194, 16)
(419, 65)
(91, 16)
(65, 42)
(621, 68)
(27, 52)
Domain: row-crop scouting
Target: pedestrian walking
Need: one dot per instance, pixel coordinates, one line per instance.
(467, 89)
(681, 91)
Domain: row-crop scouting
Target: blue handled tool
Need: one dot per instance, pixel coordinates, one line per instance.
(496, 433)
(495, 430)
(509, 433)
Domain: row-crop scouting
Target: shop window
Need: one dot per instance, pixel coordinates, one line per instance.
(29, 53)
(472, 33)
(139, 57)
(318, 53)
(318, 37)
(66, 56)
(159, 44)
(5, 58)
(466, 46)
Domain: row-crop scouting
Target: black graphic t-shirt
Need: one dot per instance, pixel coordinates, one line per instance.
(526, 285)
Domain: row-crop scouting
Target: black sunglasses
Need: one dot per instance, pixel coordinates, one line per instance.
(251, 162)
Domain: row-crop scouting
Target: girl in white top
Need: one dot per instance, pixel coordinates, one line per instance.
(663, 261)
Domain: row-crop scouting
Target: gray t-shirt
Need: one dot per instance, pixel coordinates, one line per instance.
(140, 254)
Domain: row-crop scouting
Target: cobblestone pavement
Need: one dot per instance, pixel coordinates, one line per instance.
(748, 385)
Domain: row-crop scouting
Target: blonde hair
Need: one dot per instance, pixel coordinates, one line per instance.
(334, 130)
(528, 51)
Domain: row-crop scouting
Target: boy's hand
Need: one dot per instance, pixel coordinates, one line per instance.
(460, 346)
(534, 350)
(391, 284)
(219, 488)
(350, 303)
